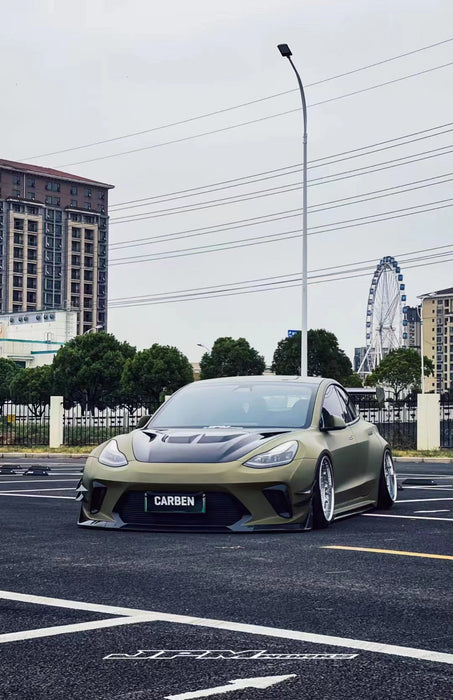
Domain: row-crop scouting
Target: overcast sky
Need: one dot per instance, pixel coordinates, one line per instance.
(78, 73)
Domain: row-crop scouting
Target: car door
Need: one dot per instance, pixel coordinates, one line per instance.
(362, 432)
(344, 449)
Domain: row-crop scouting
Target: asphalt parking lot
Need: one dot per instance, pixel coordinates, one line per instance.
(361, 610)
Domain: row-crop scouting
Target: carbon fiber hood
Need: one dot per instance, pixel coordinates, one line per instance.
(197, 445)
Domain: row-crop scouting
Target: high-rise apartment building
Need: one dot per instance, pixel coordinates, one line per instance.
(53, 243)
(437, 316)
(412, 327)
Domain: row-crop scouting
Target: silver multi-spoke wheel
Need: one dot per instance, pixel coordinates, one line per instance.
(390, 476)
(326, 488)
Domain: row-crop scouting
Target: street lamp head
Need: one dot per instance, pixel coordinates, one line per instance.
(284, 50)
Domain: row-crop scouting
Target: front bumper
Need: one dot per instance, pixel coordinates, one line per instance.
(238, 499)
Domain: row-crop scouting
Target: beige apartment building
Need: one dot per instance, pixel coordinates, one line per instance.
(437, 316)
(53, 243)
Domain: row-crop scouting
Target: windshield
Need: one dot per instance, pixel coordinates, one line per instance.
(254, 405)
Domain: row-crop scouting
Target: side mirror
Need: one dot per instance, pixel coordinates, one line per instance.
(143, 421)
(336, 423)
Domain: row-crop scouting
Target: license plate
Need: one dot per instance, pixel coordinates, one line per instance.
(159, 502)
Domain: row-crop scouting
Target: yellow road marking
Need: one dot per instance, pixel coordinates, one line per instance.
(391, 551)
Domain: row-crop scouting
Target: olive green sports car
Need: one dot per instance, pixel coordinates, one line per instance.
(241, 454)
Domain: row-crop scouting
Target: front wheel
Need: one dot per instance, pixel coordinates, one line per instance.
(323, 494)
(388, 486)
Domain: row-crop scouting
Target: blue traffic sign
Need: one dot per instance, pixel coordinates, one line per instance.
(292, 332)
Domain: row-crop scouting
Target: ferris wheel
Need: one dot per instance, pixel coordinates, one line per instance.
(385, 316)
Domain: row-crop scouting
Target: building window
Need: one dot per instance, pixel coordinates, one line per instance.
(74, 203)
(18, 253)
(87, 205)
(17, 295)
(89, 248)
(19, 238)
(18, 267)
(75, 259)
(89, 234)
(88, 289)
(17, 281)
(73, 189)
(88, 262)
(75, 301)
(33, 226)
(75, 232)
(76, 246)
(30, 182)
(19, 224)
(75, 274)
(16, 193)
(75, 288)
(31, 268)
(88, 275)
(87, 192)
(30, 195)
(32, 254)
(53, 186)
(55, 201)
(31, 297)
(16, 179)
(32, 283)
(32, 240)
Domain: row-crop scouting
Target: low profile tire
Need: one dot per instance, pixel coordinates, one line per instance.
(323, 494)
(387, 482)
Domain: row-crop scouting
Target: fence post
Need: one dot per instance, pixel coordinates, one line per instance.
(56, 418)
(428, 422)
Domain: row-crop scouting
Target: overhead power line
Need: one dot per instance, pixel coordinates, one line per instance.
(345, 201)
(243, 104)
(285, 235)
(260, 119)
(339, 268)
(314, 163)
(325, 179)
(229, 291)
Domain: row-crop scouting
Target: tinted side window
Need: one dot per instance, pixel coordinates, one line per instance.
(331, 406)
(348, 410)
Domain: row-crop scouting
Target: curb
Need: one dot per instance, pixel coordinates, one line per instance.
(422, 460)
(42, 455)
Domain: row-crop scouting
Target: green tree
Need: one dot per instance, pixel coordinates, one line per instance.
(8, 370)
(151, 372)
(33, 387)
(87, 370)
(353, 381)
(231, 358)
(325, 358)
(400, 370)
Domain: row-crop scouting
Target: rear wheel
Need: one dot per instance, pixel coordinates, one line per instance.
(387, 482)
(323, 494)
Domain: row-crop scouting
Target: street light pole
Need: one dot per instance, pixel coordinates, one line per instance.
(286, 53)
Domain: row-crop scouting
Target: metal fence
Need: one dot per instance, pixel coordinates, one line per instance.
(23, 425)
(446, 423)
(396, 421)
(93, 427)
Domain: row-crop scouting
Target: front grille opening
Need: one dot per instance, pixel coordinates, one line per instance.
(97, 497)
(222, 510)
(279, 499)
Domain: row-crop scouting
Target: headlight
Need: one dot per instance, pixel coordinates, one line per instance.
(276, 457)
(111, 455)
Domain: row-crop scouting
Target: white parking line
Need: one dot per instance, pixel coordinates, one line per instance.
(61, 488)
(424, 500)
(78, 627)
(31, 495)
(149, 616)
(410, 517)
(38, 481)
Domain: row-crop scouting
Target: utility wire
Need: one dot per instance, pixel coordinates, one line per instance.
(243, 104)
(284, 285)
(339, 268)
(238, 182)
(259, 194)
(345, 201)
(255, 121)
(278, 237)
